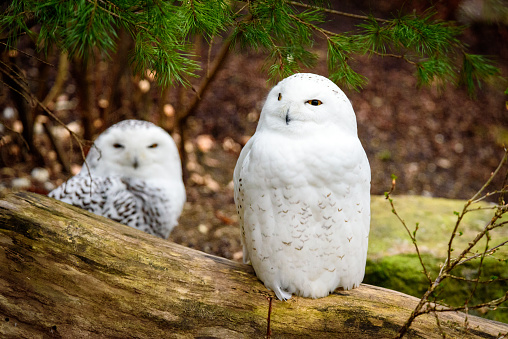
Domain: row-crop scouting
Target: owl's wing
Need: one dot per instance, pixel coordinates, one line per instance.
(145, 206)
(243, 161)
(131, 202)
(83, 192)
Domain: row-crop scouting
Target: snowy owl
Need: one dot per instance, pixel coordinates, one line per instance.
(302, 191)
(134, 176)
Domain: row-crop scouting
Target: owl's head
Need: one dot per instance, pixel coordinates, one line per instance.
(306, 102)
(135, 148)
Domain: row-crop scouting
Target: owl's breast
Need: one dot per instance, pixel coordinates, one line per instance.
(305, 193)
(306, 211)
(316, 161)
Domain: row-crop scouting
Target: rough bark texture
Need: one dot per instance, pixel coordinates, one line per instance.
(67, 273)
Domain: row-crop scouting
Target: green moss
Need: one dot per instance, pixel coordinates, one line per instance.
(403, 273)
(393, 263)
(436, 219)
(399, 272)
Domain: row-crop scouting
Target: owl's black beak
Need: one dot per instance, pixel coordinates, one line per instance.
(288, 119)
(135, 164)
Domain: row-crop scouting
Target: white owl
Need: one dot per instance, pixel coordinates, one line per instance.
(302, 191)
(134, 176)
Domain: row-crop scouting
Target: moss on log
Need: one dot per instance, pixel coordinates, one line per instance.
(67, 273)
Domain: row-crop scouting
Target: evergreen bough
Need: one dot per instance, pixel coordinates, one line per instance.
(285, 30)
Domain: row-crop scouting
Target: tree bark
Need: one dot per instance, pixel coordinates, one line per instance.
(67, 273)
(84, 77)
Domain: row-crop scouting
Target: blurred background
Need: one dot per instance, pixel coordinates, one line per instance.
(438, 141)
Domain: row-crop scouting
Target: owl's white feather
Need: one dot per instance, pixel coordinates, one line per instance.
(134, 176)
(302, 191)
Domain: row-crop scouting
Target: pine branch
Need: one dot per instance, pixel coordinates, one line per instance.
(161, 31)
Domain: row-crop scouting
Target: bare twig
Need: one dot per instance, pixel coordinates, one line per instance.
(332, 11)
(76, 137)
(58, 149)
(181, 117)
(214, 67)
(470, 201)
(411, 235)
(438, 323)
(268, 329)
(27, 54)
(474, 280)
(425, 306)
(490, 304)
(17, 80)
(488, 252)
(3, 140)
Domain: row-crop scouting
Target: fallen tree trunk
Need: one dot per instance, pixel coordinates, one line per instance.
(67, 273)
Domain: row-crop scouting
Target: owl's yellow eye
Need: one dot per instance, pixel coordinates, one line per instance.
(153, 146)
(279, 97)
(314, 102)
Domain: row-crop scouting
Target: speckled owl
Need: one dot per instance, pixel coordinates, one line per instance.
(302, 191)
(133, 175)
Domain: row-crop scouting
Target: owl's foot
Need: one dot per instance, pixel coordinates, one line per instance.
(282, 295)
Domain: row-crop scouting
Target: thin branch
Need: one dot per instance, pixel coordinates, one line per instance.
(30, 97)
(27, 54)
(438, 323)
(423, 306)
(73, 135)
(489, 194)
(482, 208)
(489, 252)
(323, 31)
(413, 237)
(327, 34)
(242, 8)
(475, 280)
(332, 11)
(490, 304)
(468, 203)
(15, 90)
(471, 244)
(3, 139)
(217, 62)
(396, 56)
(94, 2)
(208, 57)
(58, 149)
(15, 76)
(493, 174)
